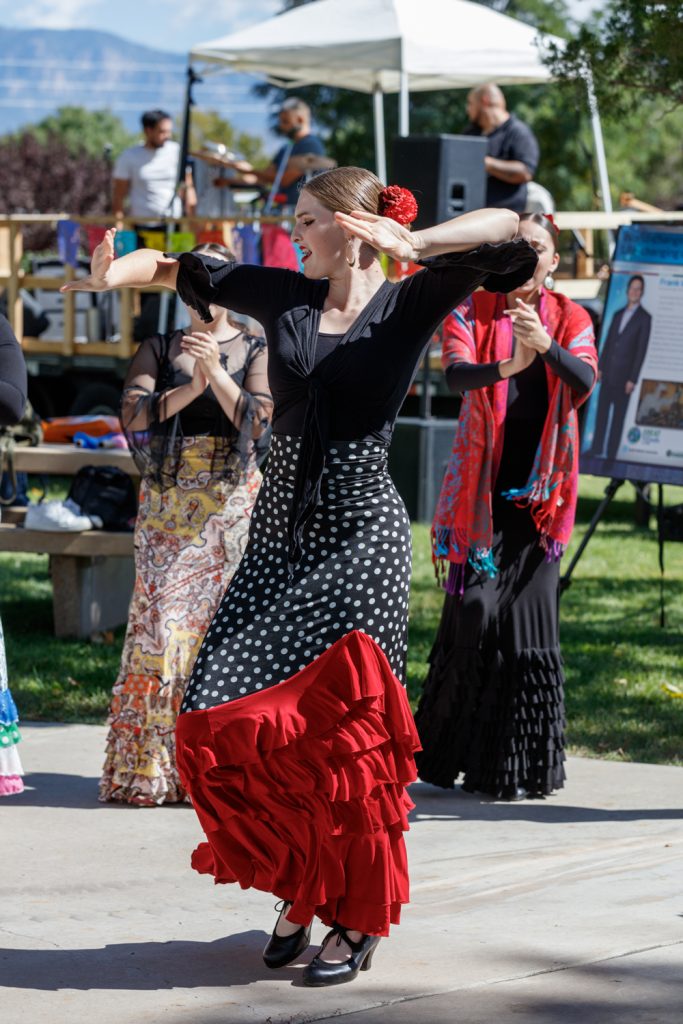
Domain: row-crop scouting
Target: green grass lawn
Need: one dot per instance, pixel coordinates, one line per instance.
(617, 655)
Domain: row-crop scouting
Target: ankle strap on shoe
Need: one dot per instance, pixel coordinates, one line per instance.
(342, 935)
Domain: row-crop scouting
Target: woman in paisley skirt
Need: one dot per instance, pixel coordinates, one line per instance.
(195, 448)
(295, 738)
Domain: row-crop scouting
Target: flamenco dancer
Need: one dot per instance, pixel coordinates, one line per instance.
(493, 702)
(295, 738)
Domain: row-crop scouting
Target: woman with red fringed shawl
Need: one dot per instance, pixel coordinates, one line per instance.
(493, 703)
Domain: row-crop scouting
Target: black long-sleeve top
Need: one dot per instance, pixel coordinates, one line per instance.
(527, 395)
(13, 382)
(356, 390)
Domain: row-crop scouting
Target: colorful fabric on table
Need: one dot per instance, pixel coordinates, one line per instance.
(125, 241)
(114, 440)
(278, 250)
(62, 429)
(68, 241)
(209, 235)
(10, 765)
(94, 234)
(154, 240)
(248, 244)
(188, 543)
(462, 529)
(182, 241)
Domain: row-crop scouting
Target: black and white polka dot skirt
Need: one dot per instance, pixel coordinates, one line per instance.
(354, 575)
(295, 740)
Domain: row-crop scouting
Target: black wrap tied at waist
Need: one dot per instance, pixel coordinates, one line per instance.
(310, 466)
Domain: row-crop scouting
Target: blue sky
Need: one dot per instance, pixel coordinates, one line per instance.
(165, 24)
(170, 25)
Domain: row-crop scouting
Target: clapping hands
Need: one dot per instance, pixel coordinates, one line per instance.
(527, 327)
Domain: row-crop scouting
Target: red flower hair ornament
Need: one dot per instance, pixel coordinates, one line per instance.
(398, 204)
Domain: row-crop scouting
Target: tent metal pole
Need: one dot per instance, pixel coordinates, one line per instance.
(192, 78)
(404, 106)
(380, 144)
(598, 142)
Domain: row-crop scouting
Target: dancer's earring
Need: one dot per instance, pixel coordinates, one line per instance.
(549, 281)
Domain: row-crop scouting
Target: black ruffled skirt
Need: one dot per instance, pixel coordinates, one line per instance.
(492, 708)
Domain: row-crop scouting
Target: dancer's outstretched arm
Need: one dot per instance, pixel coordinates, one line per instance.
(457, 235)
(134, 270)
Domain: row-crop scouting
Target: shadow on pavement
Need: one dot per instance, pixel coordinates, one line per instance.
(233, 960)
(431, 803)
(52, 789)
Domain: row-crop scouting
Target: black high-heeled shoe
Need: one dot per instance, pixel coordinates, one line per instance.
(321, 972)
(285, 949)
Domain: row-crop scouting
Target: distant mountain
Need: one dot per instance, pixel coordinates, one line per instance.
(43, 69)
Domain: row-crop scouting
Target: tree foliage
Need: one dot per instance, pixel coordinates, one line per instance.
(635, 51)
(47, 177)
(95, 132)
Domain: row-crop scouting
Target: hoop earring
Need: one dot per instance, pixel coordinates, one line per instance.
(549, 281)
(351, 262)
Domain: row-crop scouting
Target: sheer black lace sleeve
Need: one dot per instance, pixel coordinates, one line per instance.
(160, 441)
(255, 409)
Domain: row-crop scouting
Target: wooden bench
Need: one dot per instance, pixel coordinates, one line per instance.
(92, 571)
(66, 459)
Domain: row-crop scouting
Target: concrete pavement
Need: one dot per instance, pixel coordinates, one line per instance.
(559, 911)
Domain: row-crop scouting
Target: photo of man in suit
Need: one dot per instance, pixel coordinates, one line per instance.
(619, 366)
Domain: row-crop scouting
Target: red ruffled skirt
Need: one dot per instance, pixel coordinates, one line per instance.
(300, 788)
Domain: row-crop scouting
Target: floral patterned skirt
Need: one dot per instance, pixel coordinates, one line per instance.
(10, 765)
(188, 542)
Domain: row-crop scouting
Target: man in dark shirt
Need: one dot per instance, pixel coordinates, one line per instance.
(513, 151)
(294, 122)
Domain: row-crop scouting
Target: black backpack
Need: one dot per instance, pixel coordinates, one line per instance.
(107, 492)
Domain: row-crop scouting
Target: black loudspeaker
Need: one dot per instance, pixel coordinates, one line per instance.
(418, 460)
(445, 172)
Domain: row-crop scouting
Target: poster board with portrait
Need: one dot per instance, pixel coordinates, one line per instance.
(633, 427)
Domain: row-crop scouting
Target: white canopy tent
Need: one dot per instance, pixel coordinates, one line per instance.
(391, 46)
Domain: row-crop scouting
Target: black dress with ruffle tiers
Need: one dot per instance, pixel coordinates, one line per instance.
(492, 707)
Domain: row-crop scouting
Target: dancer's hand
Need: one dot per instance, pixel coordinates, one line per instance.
(102, 259)
(381, 233)
(522, 357)
(204, 349)
(528, 328)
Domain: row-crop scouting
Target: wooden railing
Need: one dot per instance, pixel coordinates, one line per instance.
(13, 278)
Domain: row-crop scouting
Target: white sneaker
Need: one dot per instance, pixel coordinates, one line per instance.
(55, 516)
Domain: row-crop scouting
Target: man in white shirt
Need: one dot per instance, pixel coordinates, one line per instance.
(147, 175)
